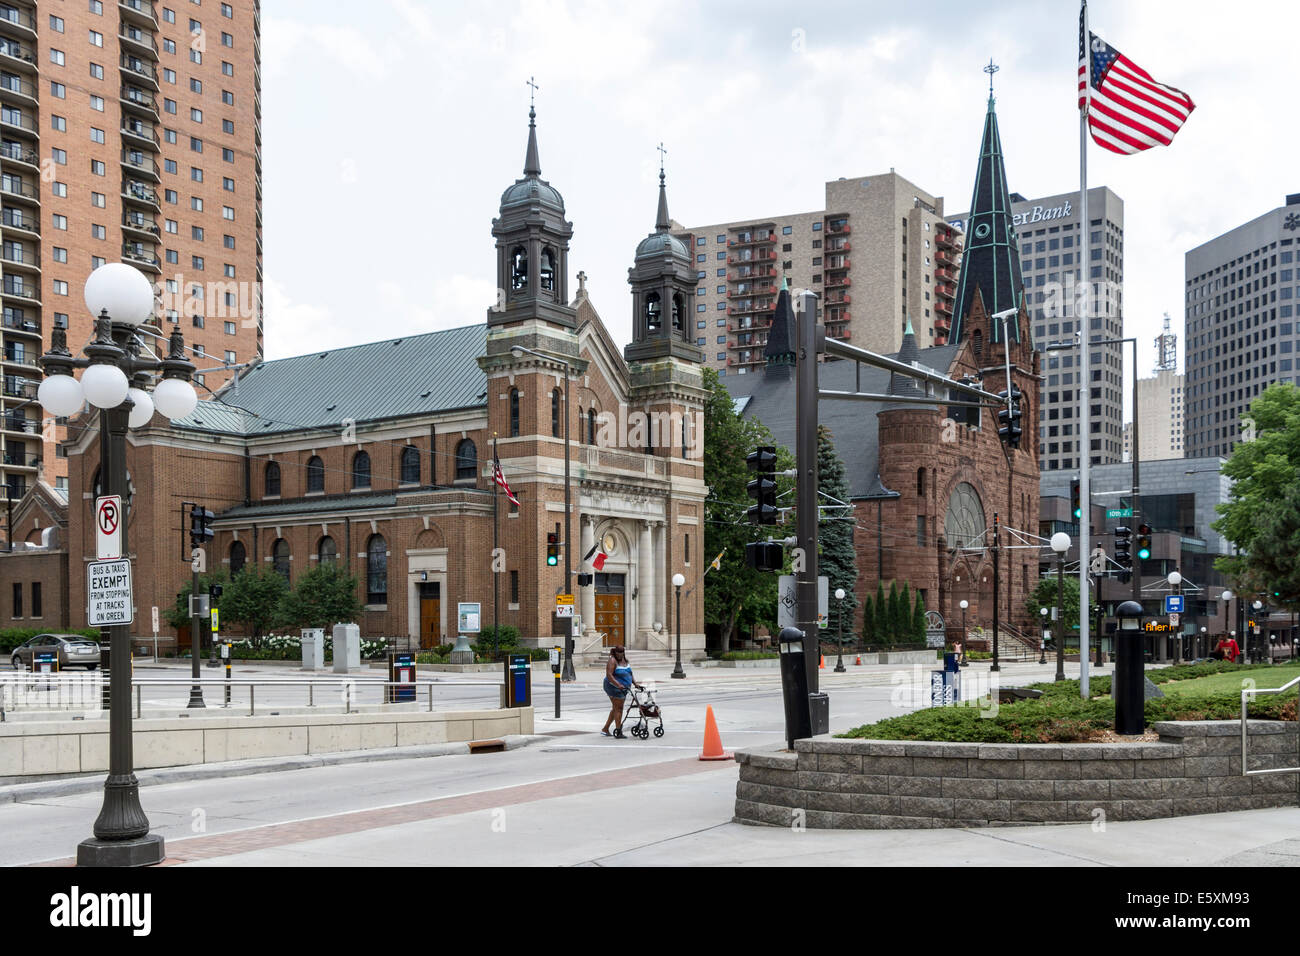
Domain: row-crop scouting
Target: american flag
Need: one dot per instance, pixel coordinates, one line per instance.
(1127, 110)
(500, 479)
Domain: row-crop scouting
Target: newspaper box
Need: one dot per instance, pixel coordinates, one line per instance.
(401, 678)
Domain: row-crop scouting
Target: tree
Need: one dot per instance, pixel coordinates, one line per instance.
(896, 629)
(253, 599)
(882, 614)
(868, 621)
(836, 558)
(1044, 596)
(325, 595)
(733, 592)
(1271, 566)
(178, 615)
(918, 620)
(1263, 469)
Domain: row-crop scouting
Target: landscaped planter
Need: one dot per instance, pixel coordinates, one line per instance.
(831, 783)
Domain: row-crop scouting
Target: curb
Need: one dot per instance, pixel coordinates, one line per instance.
(18, 793)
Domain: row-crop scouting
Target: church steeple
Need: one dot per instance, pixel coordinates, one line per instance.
(991, 260)
(532, 246)
(779, 351)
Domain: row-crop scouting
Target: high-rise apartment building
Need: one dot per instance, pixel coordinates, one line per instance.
(878, 253)
(1047, 231)
(129, 131)
(1160, 417)
(1241, 291)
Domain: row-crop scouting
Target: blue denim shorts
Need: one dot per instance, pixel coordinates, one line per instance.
(614, 689)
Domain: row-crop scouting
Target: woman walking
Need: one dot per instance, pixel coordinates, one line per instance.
(618, 681)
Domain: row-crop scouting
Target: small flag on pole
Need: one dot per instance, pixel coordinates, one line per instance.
(1127, 110)
(598, 561)
(716, 563)
(500, 479)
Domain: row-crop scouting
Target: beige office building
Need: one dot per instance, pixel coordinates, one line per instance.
(879, 252)
(129, 131)
(1160, 418)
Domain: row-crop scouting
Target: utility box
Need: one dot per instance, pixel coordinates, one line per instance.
(313, 649)
(347, 648)
(401, 678)
(519, 681)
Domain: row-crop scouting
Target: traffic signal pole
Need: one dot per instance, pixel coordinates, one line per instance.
(806, 484)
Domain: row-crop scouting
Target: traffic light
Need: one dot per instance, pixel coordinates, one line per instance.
(1009, 418)
(964, 414)
(201, 526)
(762, 461)
(1076, 508)
(215, 591)
(764, 556)
(552, 548)
(1144, 542)
(1123, 554)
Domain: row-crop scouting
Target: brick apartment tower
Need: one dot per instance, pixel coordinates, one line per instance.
(130, 132)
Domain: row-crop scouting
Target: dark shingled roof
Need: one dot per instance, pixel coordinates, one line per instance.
(852, 422)
(311, 506)
(413, 375)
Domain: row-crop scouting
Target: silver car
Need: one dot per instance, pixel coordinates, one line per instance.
(73, 650)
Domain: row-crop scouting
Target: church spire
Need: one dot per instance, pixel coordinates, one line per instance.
(532, 165)
(991, 259)
(662, 222)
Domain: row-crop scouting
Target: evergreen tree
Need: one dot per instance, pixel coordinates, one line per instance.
(896, 632)
(918, 619)
(836, 558)
(882, 614)
(868, 621)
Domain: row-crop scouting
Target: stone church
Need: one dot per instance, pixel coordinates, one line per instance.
(380, 457)
(925, 490)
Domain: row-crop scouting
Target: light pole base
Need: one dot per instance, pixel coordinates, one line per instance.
(196, 698)
(678, 673)
(839, 669)
(139, 851)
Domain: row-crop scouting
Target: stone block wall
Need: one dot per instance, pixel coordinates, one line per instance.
(829, 783)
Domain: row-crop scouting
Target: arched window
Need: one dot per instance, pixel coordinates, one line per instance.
(514, 413)
(652, 312)
(361, 470)
(547, 279)
(376, 570)
(582, 432)
(272, 480)
(920, 482)
(518, 269)
(678, 311)
(466, 459)
(410, 465)
(591, 426)
(555, 413)
(327, 552)
(315, 474)
(964, 523)
(237, 557)
(280, 557)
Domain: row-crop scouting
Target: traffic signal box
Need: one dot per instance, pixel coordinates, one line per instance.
(1123, 554)
(552, 548)
(1076, 507)
(201, 531)
(1144, 542)
(1009, 429)
(763, 555)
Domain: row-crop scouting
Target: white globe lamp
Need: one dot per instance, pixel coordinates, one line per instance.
(105, 386)
(141, 408)
(61, 395)
(1060, 542)
(175, 398)
(122, 291)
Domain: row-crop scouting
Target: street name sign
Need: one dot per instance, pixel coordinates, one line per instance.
(1119, 512)
(108, 527)
(109, 595)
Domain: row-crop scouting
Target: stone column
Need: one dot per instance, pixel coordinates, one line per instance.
(587, 595)
(645, 599)
(662, 578)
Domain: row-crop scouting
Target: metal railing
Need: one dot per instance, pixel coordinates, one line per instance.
(1246, 696)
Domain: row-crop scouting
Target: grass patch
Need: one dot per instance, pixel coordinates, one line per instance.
(1232, 681)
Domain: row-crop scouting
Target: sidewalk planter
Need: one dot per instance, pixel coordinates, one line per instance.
(834, 784)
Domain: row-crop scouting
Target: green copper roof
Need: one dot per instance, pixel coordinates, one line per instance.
(990, 261)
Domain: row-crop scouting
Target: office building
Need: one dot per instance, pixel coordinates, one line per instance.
(1047, 232)
(1241, 289)
(1160, 417)
(878, 254)
(129, 131)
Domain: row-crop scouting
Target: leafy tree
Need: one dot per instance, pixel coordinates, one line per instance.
(1263, 470)
(868, 621)
(325, 595)
(253, 600)
(1044, 596)
(178, 615)
(836, 558)
(733, 593)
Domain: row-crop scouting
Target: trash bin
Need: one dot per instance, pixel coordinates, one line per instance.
(401, 678)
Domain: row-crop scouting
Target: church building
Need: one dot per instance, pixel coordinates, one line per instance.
(380, 457)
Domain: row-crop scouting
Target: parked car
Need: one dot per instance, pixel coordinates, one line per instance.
(73, 649)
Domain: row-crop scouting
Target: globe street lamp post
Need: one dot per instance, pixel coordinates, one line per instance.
(1199, 651)
(839, 637)
(963, 605)
(1261, 647)
(115, 372)
(1176, 582)
(1042, 640)
(1061, 545)
(1226, 598)
(678, 581)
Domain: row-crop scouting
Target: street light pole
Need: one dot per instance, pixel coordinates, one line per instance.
(1042, 638)
(678, 580)
(839, 636)
(1061, 545)
(964, 604)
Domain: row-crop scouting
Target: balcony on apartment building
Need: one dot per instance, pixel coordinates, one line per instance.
(15, 354)
(139, 133)
(12, 217)
(140, 164)
(943, 307)
(837, 262)
(18, 21)
(139, 11)
(13, 53)
(15, 120)
(837, 298)
(142, 193)
(751, 255)
(751, 272)
(15, 86)
(139, 222)
(139, 70)
(142, 254)
(18, 321)
(16, 423)
(838, 282)
(17, 386)
(16, 286)
(838, 245)
(21, 255)
(751, 306)
(12, 152)
(753, 238)
(138, 41)
(20, 457)
(134, 97)
(838, 228)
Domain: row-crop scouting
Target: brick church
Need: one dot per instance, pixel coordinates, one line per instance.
(380, 457)
(924, 489)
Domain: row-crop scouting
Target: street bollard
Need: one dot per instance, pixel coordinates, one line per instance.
(555, 672)
(225, 653)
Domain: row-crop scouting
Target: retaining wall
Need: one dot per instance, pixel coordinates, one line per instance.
(34, 748)
(891, 784)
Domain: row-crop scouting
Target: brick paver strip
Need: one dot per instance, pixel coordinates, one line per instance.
(354, 821)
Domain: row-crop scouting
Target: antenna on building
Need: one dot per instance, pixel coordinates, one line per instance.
(1166, 349)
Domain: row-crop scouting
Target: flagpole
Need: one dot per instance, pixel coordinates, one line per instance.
(1085, 334)
(496, 585)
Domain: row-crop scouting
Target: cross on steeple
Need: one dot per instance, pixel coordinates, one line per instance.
(533, 88)
(662, 153)
(990, 70)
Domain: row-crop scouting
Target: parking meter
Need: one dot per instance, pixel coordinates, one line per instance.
(794, 686)
(555, 672)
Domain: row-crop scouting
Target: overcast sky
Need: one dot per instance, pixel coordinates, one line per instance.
(391, 128)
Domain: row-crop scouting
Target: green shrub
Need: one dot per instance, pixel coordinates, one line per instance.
(750, 656)
(509, 636)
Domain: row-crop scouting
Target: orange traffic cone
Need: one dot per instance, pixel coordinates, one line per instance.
(713, 741)
(822, 665)
(858, 662)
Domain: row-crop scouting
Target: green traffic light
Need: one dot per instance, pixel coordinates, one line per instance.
(1144, 553)
(1078, 512)
(552, 560)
